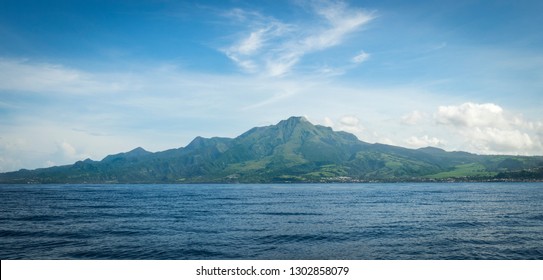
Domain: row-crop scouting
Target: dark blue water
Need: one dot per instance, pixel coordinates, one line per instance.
(329, 221)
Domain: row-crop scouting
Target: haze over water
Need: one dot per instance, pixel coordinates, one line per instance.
(323, 221)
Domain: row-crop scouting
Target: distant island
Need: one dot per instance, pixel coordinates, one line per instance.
(293, 151)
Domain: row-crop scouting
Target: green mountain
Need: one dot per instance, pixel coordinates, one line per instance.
(294, 150)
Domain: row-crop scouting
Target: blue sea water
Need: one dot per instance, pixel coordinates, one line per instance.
(305, 221)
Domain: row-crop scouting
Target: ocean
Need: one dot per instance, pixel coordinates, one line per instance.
(274, 221)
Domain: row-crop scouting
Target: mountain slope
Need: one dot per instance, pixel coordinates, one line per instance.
(294, 150)
(291, 148)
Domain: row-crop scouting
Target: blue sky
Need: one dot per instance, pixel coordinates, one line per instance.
(83, 79)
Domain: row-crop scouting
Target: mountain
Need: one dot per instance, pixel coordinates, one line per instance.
(294, 150)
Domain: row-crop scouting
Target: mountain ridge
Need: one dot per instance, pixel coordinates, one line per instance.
(293, 150)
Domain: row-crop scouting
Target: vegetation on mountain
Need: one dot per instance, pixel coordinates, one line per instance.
(294, 150)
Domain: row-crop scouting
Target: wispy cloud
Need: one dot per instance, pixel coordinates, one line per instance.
(273, 48)
(168, 106)
(247, 50)
(341, 21)
(361, 57)
(24, 75)
(413, 118)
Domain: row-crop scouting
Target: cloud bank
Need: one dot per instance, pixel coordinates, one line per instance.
(488, 128)
(80, 114)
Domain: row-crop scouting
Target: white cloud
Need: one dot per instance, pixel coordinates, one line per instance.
(413, 118)
(489, 129)
(347, 123)
(280, 65)
(492, 139)
(24, 75)
(247, 52)
(361, 57)
(424, 141)
(250, 45)
(17, 74)
(68, 153)
(328, 122)
(38, 143)
(273, 48)
(341, 20)
(67, 149)
(171, 106)
(471, 115)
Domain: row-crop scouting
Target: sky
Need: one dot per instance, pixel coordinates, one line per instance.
(84, 79)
